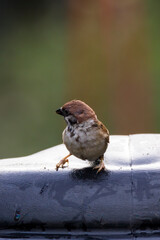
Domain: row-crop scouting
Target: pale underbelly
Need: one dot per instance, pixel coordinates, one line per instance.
(88, 147)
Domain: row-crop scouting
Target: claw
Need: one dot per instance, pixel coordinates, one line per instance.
(100, 166)
(62, 162)
(65, 161)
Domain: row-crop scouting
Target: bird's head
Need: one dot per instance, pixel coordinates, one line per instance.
(76, 111)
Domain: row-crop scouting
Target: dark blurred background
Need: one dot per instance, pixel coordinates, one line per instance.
(106, 53)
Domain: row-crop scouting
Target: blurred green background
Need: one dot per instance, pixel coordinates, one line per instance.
(105, 52)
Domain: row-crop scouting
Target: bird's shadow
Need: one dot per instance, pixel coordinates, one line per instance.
(89, 173)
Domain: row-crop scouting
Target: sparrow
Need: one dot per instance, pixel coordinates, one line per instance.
(85, 136)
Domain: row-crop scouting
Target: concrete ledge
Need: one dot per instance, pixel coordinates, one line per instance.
(126, 196)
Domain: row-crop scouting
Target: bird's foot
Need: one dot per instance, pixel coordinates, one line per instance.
(100, 166)
(62, 162)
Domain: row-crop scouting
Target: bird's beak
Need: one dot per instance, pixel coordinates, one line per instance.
(59, 111)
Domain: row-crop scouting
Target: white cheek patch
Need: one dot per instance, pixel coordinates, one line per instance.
(66, 119)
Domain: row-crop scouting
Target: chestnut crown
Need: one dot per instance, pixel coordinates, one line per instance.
(78, 109)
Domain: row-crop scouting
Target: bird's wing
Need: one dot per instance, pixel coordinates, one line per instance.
(105, 130)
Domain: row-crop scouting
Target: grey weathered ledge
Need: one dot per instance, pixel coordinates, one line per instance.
(127, 195)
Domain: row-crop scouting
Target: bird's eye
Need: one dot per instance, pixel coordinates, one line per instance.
(66, 112)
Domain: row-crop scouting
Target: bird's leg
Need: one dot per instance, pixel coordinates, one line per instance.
(63, 161)
(101, 165)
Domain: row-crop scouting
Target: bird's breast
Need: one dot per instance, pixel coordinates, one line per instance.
(85, 141)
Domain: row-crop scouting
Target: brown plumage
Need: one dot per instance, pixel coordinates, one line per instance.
(80, 110)
(85, 136)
